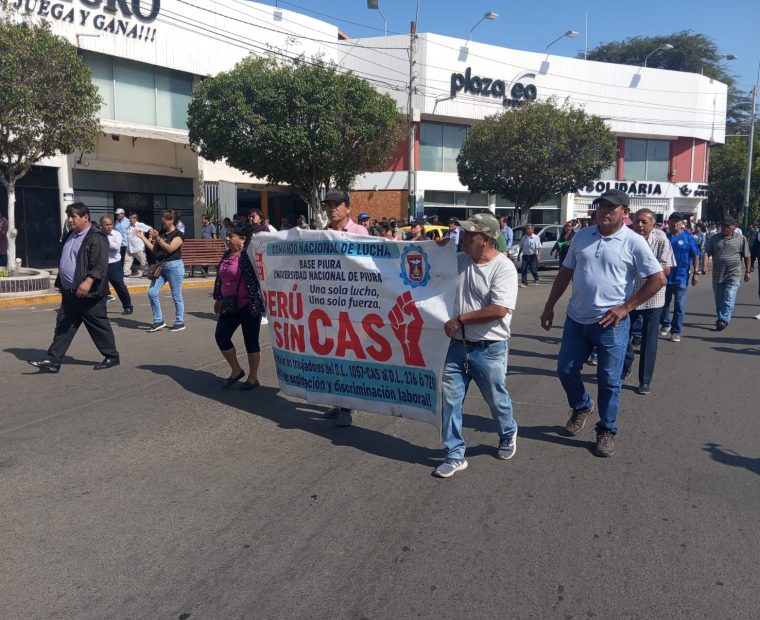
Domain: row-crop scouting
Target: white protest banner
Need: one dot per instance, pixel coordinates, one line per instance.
(357, 321)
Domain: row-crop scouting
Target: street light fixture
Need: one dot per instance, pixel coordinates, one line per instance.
(663, 47)
(748, 179)
(375, 5)
(490, 16)
(570, 34)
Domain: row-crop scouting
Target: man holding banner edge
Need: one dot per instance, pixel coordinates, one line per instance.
(337, 203)
(479, 330)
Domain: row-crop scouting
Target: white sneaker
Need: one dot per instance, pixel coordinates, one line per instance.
(757, 316)
(264, 320)
(675, 337)
(664, 331)
(449, 467)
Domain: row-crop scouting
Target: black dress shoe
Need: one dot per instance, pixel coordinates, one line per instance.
(128, 310)
(45, 365)
(108, 362)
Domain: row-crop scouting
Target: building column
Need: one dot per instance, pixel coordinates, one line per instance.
(264, 204)
(492, 203)
(65, 184)
(566, 208)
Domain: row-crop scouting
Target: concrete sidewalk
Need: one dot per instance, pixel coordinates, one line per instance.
(135, 285)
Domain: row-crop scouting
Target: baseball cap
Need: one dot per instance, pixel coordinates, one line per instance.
(728, 221)
(364, 216)
(453, 220)
(483, 223)
(336, 195)
(614, 197)
(119, 210)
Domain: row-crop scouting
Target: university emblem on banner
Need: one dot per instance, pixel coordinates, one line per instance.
(415, 266)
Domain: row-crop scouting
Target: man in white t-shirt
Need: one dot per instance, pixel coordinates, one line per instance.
(135, 247)
(479, 331)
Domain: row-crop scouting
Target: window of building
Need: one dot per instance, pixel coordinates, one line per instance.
(440, 145)
(140, 93)
(647, 160)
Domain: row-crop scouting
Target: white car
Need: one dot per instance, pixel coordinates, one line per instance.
(548, 233)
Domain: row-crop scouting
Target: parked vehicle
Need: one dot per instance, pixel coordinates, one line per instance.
(431, 231)
(548, 233)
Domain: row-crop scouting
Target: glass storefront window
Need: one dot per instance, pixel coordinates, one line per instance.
(140, 93)
(647, 160)
(440, 145)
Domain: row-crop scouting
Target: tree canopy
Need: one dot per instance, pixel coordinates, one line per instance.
(531, 153)
(48, 103)
(693, 53)
(728, 173)
(304, 124)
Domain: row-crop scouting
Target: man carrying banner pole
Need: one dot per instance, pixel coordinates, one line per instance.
(338, 206)
(485, 299)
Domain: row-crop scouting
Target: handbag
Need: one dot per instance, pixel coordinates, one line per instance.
(154, 270)
(229, 305)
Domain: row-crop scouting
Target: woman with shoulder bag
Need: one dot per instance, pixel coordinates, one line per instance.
(238, 303)
(167, 248)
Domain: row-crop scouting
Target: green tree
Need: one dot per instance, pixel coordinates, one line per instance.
(532, 153)
(48, 103)
(728, 174)
(303, 124)
(693, 53)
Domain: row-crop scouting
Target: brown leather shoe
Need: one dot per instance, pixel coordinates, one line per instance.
(578, 420)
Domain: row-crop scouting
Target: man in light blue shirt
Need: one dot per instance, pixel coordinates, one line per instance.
(509, 236)
(602, 263)
(121, 225)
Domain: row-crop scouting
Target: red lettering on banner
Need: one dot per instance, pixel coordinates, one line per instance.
(320, 348)
(348, 339)
(289, 336)
(382, 352)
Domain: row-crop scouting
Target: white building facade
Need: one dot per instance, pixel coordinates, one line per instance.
(664, 121)
(146, 56)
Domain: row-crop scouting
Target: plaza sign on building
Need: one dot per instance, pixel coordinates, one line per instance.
(132, 19)
(512, 95)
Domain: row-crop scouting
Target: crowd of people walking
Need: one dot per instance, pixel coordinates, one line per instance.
(625, 273)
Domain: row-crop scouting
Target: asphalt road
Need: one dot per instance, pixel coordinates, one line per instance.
(147, 492)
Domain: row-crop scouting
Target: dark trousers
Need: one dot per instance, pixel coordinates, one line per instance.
(72, 313)
(228, 323)
(123, 252)
(649, 338)
(529, 262)
(116, 279)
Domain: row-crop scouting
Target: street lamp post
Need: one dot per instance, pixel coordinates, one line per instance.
(663, 47)
(748, 180)
(491, 15)
(375, 5)
(570, 34)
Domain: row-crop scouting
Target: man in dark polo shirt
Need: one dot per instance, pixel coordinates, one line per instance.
(731, 258)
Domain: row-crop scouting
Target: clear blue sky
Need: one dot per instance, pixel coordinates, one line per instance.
(530, 25)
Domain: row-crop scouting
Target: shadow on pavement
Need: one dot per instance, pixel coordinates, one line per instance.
(204, 315)
(540, 337)
(729, 457)
(266, 403)
(41, 354)
(729, 340)
(530, 370)
(525, 353)
(744, 351)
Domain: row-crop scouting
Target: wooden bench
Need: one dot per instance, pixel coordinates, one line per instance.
(202, 253)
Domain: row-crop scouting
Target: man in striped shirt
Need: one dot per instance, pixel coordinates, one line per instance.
(651, 309)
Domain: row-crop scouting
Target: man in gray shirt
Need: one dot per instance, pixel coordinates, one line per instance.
(731, 256)
(479, 331)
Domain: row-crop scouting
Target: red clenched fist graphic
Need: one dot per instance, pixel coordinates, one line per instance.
(406, 322)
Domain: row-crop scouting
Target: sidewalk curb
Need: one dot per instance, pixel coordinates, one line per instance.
(55, 298)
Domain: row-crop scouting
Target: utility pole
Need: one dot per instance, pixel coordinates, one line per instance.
(411, 182)
(745, 219)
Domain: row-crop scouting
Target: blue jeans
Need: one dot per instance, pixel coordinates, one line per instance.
(725, 298)
(611, 344)
(676, 292)
(488, 368)
(173, 273)
(649, 320)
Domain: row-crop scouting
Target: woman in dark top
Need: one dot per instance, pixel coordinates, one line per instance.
(167, 248)
(238, 302)
(256, 223)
